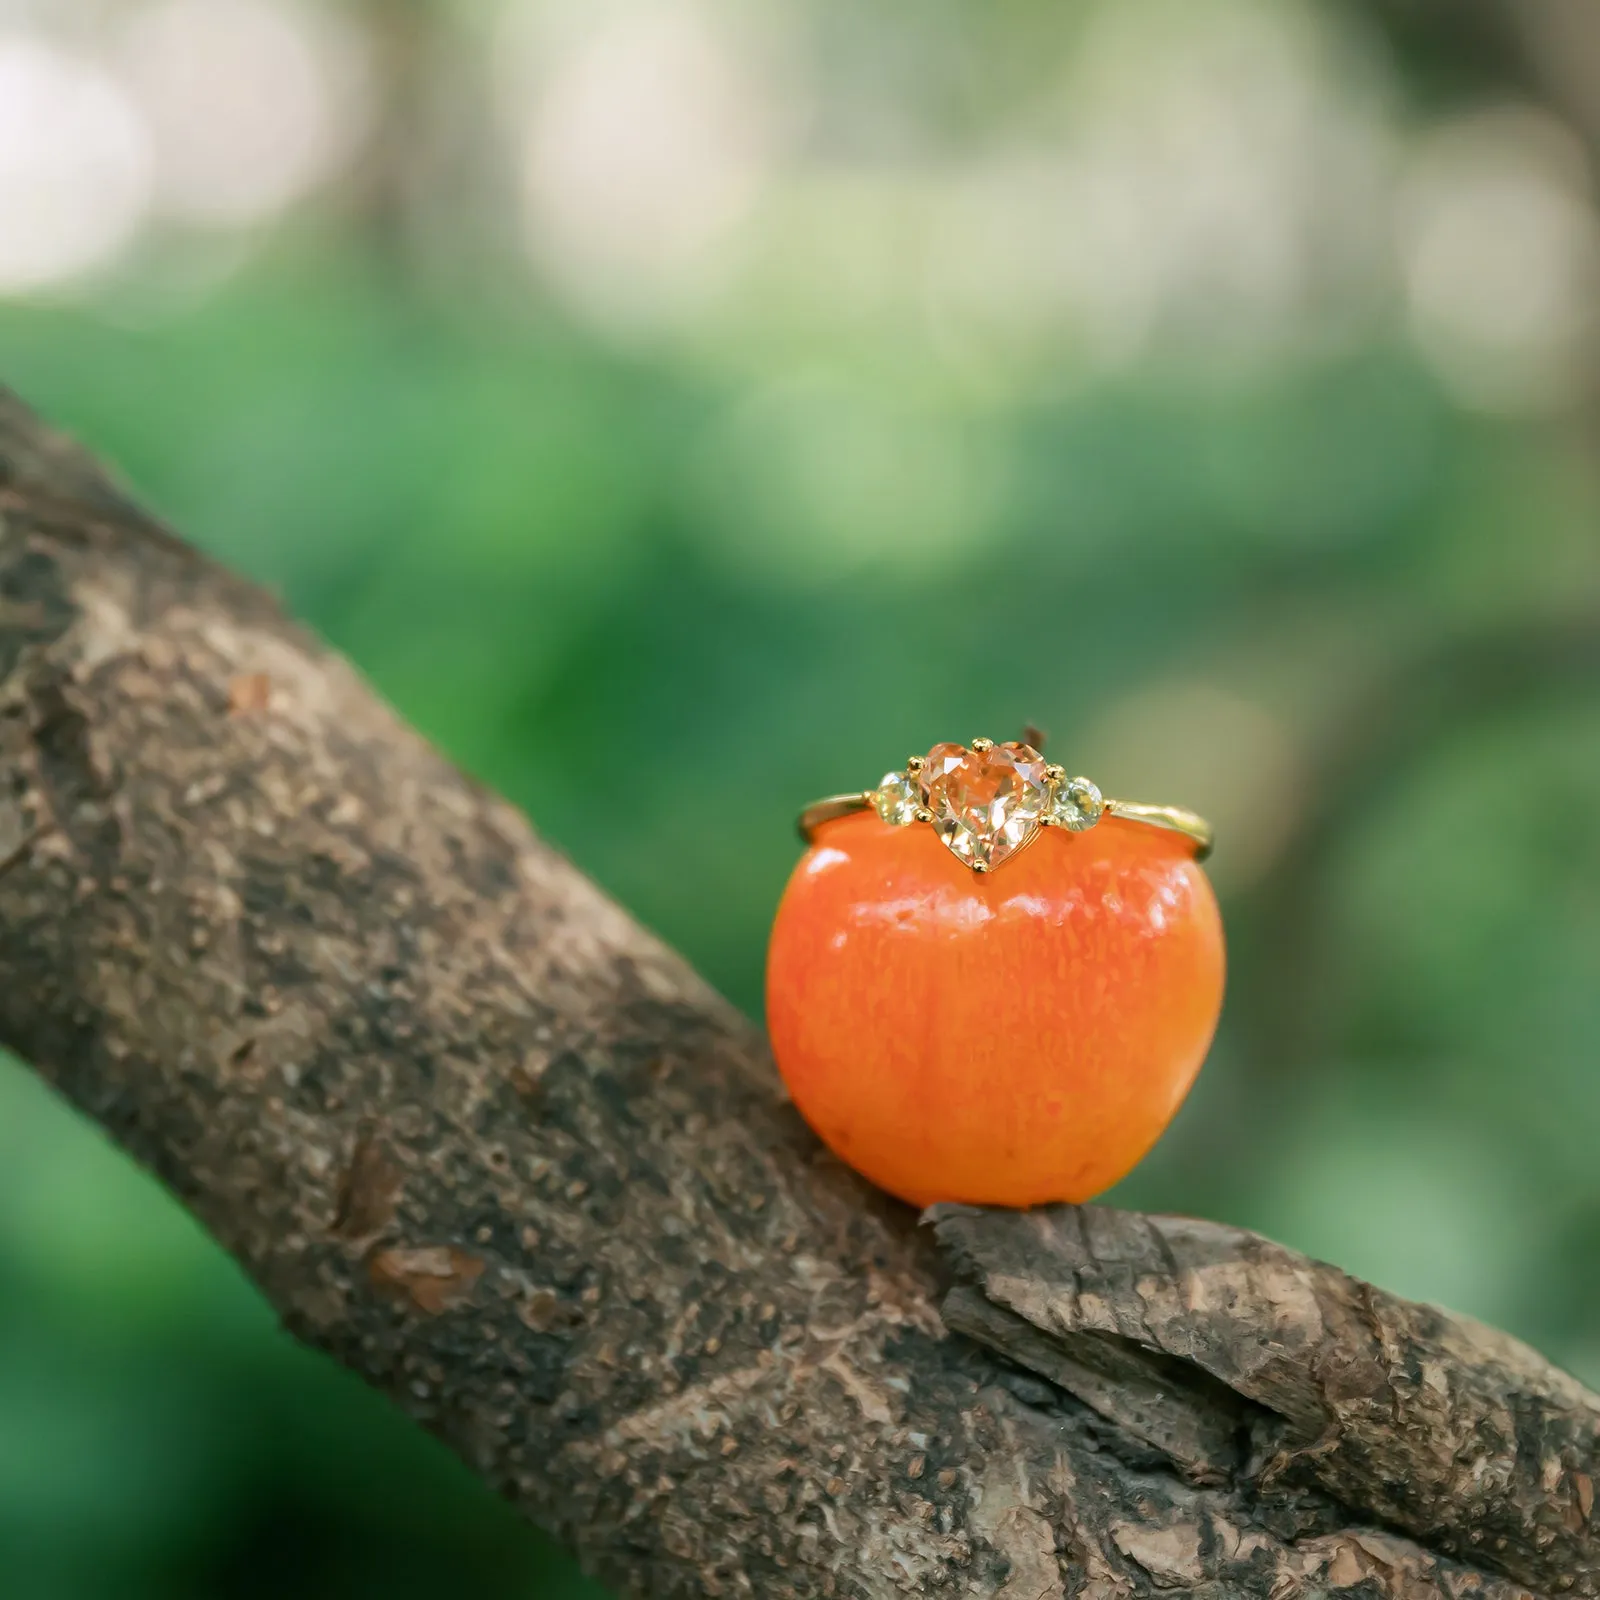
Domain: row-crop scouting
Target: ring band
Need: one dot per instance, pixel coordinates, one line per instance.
(987, 801)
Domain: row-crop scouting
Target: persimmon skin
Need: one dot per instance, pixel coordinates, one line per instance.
(1008, 1038)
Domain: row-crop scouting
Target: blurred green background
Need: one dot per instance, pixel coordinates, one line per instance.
(772, 389)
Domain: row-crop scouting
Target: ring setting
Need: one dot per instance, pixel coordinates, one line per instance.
(987, 801)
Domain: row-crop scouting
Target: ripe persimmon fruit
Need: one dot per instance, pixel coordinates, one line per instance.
(1007, 1038)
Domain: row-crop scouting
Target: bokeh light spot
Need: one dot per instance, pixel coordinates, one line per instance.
(1500, 250)
(251, 103)
(74, 165)
(1228, 757)
(643, 141)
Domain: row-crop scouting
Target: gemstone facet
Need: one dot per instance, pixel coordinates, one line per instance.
(1076, 804)
(939, 762)
(897, 799)
(986, 803)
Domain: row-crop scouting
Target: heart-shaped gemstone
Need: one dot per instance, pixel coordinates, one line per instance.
(986, 802)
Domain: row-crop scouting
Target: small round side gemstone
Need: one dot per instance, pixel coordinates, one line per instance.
(1076, 805)
(896, 799)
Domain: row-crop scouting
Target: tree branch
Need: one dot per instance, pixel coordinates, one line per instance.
(483, 1140)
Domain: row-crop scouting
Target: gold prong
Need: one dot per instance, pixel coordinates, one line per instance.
(1054, 773)
(981, 745)
(924, 814)
(980, 866)
(915, 763)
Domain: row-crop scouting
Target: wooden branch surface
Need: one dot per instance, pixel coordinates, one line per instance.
(482, 1139)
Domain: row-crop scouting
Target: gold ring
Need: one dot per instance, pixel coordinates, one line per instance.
(986, 801)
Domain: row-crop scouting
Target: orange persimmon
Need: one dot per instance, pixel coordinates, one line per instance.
(1010, 1038)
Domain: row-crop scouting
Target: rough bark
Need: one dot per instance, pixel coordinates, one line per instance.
(1232, 1355)
(485, 1141)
